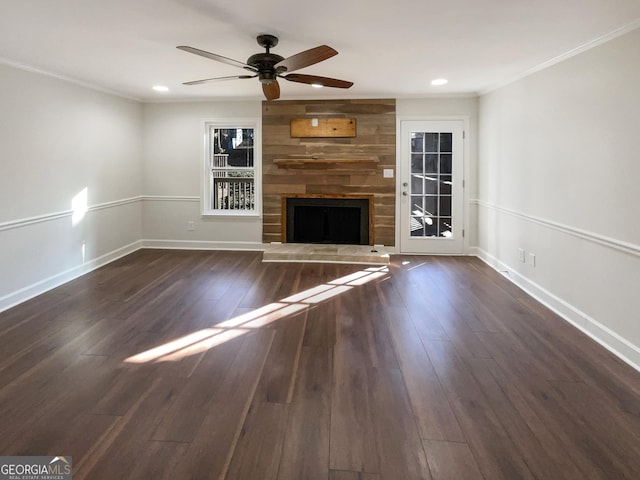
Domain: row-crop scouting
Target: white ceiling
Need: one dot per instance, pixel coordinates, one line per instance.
(387, 48)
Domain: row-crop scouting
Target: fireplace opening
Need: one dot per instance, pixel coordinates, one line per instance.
(328, 220)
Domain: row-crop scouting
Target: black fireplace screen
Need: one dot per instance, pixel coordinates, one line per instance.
(328, 220)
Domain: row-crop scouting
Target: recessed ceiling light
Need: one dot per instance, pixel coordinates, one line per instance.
(316, 85)
(160, 88)
(439, 81)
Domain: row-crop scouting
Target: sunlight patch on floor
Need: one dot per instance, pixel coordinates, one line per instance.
(207, 338)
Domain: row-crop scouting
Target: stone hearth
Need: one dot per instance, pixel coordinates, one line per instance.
(326, 253)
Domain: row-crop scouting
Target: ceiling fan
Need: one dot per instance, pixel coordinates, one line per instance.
(269, 66)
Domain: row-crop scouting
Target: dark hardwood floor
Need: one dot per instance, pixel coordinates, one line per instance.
(213, 365)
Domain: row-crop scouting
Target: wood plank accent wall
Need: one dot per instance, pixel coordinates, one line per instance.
(375, 142)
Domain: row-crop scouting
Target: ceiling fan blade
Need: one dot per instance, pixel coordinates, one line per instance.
(306, 58)
(315, 80)
(216, 79)
(271, 90)
(219, 58)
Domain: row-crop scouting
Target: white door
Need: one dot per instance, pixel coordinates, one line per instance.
(431, 193)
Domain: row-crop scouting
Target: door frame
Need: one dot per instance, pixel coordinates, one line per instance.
(400, 171)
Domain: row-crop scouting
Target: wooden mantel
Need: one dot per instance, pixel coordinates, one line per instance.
(302, 162)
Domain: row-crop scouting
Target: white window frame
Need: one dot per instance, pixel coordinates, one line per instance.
(206, 173)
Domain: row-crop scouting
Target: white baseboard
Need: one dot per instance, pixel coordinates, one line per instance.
(38, 288)
(202, 245)
(609, 339)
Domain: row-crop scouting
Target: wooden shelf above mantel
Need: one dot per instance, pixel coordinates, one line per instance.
(301, 162)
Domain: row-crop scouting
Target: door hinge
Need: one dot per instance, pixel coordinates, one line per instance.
(463, 233)
(464, 134)
(463, 183)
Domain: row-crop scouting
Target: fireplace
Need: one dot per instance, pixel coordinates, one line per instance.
(328, 219)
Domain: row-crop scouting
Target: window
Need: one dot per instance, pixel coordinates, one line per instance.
(431, 181)
(232, 155)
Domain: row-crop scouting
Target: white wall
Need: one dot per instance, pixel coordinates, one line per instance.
(559, 166)
(56, 140)
(454, 107)
(172, 163)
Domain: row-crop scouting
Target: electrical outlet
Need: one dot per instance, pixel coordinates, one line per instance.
(532, 259)
(191, 226)
(521, 255)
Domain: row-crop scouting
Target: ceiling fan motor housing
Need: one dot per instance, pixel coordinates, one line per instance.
(264, 63)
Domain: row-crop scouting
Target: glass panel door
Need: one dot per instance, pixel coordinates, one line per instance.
(431, 193)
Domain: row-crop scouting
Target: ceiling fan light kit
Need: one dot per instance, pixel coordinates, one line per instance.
(268, 67)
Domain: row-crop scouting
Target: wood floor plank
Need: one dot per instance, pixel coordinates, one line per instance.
(426, 322)
(609, 374)
(51, 332)
(343, 475)
(74, 435)
(263, 291)
(123, 393)
(291, 282)
(63, 429)
(49, 396)
(489, 442)
(19, 315)
(129, 441)
(185, 416)
(544, 458)
(388, 293)
(257, 453)
(221, 284)
(534, 338)
(436, 294)
(30, 361)
(451, 461)
(431, 407)
(527, 329)
(314, 275)
(141, 287)
(305, 452)
(618, 428)
(320, 329)
(548, 416)
(400, 450)
(353, 440)
(178, 299)
(478, 316)
(382, 351)
(506, 347)
(158, 460)
(217, 311)
(211, 450)
(277, 381)
(432, 366)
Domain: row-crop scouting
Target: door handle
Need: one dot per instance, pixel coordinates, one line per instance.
(405, 193)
